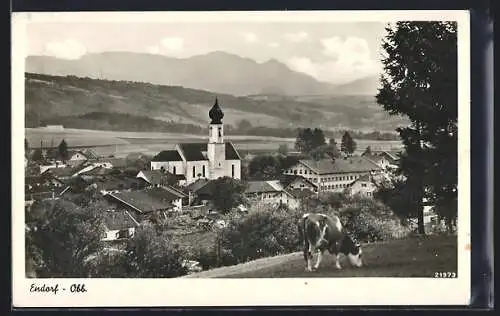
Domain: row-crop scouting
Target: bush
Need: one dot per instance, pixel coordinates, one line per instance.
(264, 232)
(151, 254)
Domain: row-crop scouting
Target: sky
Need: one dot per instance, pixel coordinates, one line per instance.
(331, 52)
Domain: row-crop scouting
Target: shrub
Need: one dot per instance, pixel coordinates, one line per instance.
(264, 232)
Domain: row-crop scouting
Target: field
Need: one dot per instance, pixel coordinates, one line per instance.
(413, 257)
(120, 144)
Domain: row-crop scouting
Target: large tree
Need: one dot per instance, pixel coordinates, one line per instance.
(420, 82)
(61, 237)
(347, 145)
(63, 150)
(308, 139)
(227, 193)
(264, 167)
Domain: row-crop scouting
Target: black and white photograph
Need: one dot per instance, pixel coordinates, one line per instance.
(303, 150)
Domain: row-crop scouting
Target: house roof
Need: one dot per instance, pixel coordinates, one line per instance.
(147, 200)
(167, 155)
(288, 179)
(90, 154)
(97, 171)
(118, 220)
(62, 172)
(298, 193)
(154, 177)
(117, 183)
(116, 162)
(197, 151)
(262, 187)
(350, 164)
(198, 184)
(206, 189)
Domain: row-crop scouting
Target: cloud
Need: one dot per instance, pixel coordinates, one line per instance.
(348, 60)
(296, 37)
(168, 46)
(274, 44)
(67, 49)
(250, 37)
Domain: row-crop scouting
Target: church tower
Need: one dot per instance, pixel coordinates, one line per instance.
(216, 148)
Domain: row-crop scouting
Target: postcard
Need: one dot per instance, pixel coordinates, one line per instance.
(240, 158)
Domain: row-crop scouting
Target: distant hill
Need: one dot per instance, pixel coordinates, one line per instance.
(365, 86)
(217, 71)
(49, 97)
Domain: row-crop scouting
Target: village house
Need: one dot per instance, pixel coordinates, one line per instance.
(364, 186)
(157, 178)
(151, 201)
(96, 173)
(211, 160)
(271, 193)
(384, 159)
(117, 183)
(292, 182)
(119, 225)
(43, 187)
(334, 175)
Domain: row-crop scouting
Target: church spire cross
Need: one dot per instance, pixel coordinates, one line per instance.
(216, 113)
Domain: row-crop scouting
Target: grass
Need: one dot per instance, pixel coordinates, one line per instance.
(414, 257)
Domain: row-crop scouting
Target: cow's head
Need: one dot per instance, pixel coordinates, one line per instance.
(352, 249)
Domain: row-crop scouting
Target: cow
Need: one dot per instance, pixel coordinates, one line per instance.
(320, 232)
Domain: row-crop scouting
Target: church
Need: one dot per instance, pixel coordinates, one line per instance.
(194, 161)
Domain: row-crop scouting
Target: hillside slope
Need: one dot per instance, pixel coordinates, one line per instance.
(56, 96)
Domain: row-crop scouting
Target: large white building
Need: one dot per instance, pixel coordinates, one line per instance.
(211, 160)
(334, 175)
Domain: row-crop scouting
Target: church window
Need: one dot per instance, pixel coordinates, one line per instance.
(203, 171)
(232, 171)
(174, 171)
(295, 171)
(194, 172)
(220, 132)
(300, 171)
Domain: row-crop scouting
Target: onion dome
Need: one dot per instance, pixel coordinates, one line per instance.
(216, 113)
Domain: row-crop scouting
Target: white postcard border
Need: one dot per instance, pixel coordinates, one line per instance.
(242, 292)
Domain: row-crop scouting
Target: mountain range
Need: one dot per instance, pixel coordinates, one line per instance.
(217, 72)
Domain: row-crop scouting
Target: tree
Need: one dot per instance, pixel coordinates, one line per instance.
(283, 149)
(318, 138)
(368, 151)
(61, 237)
(37, 155)
(63, 150)
(151, 254)
(26, 147)
(325, 151)
(264, 167)
(227, 193)
(348, 145)
(308, 139)
(303, 140)
(420, 82)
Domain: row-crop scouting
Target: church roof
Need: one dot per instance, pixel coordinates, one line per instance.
(197, 151)
(216, 113)
(167, 155)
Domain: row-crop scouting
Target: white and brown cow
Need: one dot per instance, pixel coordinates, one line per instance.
(320, 232)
